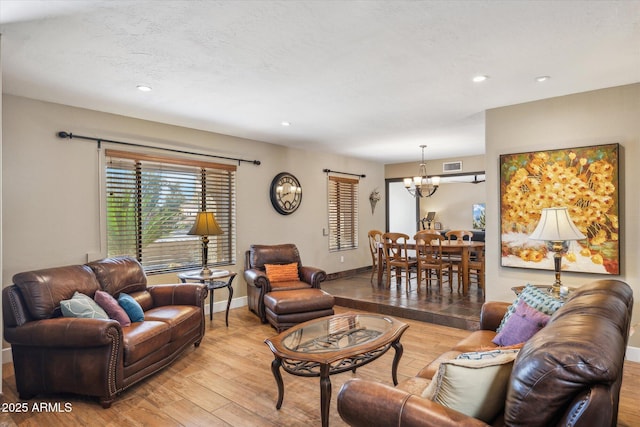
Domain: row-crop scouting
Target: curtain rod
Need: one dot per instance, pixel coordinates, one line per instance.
(345, 173)
(63, 134)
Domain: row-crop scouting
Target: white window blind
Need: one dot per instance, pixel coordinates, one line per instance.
(152, 203)
(343, 213)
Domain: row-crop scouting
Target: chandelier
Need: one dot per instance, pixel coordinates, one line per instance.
(422, 186)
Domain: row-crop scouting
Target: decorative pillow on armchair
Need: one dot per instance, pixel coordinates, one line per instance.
(474, 384)
(282, 272)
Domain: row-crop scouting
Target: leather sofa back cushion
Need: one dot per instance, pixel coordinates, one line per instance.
(273, 254)
(43, 290)
(123, 274)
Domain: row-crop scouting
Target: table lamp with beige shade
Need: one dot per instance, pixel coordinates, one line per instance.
(205, 226)
(556, 226)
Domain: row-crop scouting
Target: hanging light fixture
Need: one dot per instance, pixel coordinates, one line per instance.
(422, 186)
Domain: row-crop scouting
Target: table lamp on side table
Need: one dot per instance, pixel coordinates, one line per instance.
(555, 226)
(205, 226)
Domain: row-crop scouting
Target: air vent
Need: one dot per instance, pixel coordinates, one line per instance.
(449, 167)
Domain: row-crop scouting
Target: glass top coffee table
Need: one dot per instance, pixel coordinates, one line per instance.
(334, 344)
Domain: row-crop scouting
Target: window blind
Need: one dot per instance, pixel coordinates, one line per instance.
(152, 203)
(343, 213)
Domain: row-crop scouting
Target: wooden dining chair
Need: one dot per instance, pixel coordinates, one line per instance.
(397, 258)
(476, 268)
(458, 236)
(431, 259)
(375, 239)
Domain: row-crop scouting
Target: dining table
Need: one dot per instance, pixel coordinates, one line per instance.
(464, 248)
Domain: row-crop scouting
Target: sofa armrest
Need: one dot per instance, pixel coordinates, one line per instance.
(312, 275)
(64, 332)
(491, 314)
(370, 404)
(178, 294)
(257, 278)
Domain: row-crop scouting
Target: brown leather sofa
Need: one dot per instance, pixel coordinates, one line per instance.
(96, 357)
(258, 285)
(568, 374)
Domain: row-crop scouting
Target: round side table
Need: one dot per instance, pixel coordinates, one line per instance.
(217, 280)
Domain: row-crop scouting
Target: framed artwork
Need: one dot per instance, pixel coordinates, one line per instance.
(583, 179)
(478, 216)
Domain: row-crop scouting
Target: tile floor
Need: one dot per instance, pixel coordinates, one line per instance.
(449, 308)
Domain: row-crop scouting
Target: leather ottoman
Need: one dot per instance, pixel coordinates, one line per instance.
(287, 308)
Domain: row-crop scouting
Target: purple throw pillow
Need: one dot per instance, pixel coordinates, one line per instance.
(521, 325)
(110, 305)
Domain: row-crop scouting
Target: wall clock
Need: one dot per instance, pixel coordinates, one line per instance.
(286, 193)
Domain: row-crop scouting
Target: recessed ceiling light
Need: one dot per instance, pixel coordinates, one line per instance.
(144, 88)
(478, 79)
(542, 79)
(285, 123)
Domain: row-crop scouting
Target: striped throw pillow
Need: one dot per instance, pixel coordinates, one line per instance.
(282, 272)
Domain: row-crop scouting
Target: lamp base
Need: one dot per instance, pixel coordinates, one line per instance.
(206, 271)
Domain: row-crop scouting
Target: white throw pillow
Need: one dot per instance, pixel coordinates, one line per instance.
(473, 383)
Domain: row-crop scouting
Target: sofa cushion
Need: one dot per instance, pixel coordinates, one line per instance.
(181, 318)
(521, 325)
(476, 340)
(43, 290)
(110, 305)
(143, 338)
(81, 305)
(474, 384)
(131, 306)
(119, 274)
(282, 272)
(536, 298)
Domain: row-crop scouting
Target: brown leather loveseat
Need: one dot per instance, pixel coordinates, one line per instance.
(96, 357)
(258, 284)
(568, 374)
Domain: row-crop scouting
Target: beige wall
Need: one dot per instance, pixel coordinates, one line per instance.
(598, 117)
(452, 202)
(51, 193)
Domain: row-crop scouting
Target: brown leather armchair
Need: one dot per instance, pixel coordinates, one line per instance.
(258, 285)
(96, 357)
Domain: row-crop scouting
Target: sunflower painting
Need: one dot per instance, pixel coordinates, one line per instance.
(583, 179)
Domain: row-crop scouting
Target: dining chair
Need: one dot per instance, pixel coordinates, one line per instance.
(431, 259)
(476, 268)
(375, 239)
(458, 236)
(397, 258)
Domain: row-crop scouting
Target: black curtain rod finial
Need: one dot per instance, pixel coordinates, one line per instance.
(359, 175)
(63, 134)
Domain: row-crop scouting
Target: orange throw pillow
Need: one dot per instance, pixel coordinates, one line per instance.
(282, 272)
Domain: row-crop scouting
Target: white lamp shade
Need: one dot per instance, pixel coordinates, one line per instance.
(555, 226)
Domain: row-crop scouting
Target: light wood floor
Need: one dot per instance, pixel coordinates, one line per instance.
(227, 381)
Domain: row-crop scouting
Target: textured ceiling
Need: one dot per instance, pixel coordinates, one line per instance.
(371, 79)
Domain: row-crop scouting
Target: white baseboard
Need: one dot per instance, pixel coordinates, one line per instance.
(220, 306)
(633, 354)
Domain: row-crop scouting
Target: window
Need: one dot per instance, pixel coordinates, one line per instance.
(152, 203)
(343, 213)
